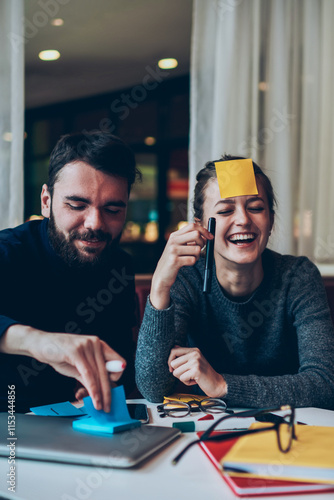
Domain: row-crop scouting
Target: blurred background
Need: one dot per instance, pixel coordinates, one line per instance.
(182, 82)
(107, 77)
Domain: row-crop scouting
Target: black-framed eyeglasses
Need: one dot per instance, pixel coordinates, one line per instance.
(179, 409)
(283, 425)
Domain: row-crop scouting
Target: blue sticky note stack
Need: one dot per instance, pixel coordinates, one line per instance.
(100, 422)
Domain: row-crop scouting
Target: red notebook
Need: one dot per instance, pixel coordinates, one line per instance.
(244, 485)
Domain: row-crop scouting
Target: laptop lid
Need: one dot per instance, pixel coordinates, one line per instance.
(53, 439)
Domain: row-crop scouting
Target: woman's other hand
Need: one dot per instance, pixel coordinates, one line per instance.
(190, 366)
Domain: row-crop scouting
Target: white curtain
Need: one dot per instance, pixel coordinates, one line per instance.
(11, 112)
(262, 76)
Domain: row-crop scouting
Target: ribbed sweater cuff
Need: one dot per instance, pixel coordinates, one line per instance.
(240, 392)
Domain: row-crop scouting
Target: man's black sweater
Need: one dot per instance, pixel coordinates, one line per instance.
(39, 290)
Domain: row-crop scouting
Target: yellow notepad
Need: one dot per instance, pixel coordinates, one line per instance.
(311, 457)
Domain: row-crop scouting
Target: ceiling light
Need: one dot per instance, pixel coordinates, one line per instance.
(169, 63)
(57, 22)
(49, 55)
(150, 141)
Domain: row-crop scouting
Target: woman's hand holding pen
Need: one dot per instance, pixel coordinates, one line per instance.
(190, 366)
(182, 249)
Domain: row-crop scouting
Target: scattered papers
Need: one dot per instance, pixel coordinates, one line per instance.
(65, 409)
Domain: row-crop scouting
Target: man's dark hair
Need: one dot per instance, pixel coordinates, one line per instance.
(102, 151)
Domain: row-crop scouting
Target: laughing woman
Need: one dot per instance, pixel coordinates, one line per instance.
(262, 337)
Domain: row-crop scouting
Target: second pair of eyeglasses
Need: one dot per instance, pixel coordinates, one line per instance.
(284, 426)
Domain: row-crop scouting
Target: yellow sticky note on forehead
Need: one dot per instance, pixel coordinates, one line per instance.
(236, 178)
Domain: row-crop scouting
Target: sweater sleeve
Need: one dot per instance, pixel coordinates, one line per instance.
(5, 292)
(313, 385)
(155, 340)
(160, 331)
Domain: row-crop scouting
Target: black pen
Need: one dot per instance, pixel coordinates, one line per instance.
(209, 257)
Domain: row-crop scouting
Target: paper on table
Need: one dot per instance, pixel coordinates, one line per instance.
(235, 423)
(236, 178)
(232, 423)
(65, 409)
(315, 416)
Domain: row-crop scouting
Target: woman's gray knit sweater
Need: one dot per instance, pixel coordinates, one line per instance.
(275, 348)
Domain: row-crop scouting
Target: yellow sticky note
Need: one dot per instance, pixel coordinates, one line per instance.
(236, 178)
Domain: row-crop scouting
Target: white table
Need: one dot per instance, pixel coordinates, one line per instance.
(193, 478)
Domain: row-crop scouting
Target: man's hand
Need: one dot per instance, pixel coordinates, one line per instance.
(190, 367)
(82, 357)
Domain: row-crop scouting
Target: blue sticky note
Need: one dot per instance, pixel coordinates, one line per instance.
(92, 426)
(100, 422)
(65, 409)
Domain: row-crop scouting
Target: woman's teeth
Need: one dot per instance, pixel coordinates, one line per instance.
(242, 238)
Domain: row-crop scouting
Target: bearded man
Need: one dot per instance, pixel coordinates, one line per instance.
(67, 294)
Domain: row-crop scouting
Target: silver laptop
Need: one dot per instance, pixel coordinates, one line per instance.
(53, 439)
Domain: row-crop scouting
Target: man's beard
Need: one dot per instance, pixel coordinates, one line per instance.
(68, 252)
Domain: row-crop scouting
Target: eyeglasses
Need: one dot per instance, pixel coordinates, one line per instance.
(283, 425)
(178, 409)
